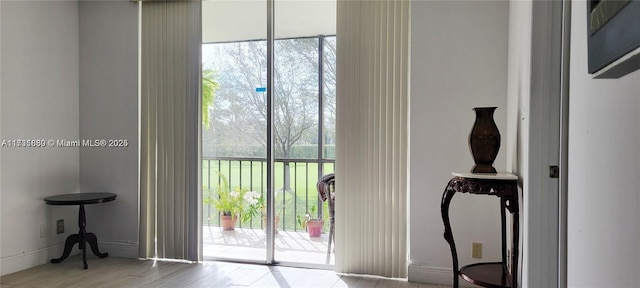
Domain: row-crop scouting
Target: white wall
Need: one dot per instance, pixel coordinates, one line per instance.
(109, 110)
(519, 87)
(459, 61)
(604, 172)
(39, 59)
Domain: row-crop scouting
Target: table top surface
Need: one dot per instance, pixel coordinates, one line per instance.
(80, 198)
(488, 176)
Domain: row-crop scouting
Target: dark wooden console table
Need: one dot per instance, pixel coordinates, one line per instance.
(504, 186)
(82, 237)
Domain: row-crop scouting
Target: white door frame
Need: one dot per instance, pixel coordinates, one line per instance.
(564, 143)
(544, 243)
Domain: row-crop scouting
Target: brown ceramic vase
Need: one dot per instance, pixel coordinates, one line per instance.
(484, 140)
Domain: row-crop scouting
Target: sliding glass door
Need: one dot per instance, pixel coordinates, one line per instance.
(237, 164)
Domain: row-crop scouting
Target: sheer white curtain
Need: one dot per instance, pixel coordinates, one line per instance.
(372, 137)
(169, 129)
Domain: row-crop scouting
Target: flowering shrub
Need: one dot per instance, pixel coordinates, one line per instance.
(229, 202)
(232, 202)
(256, 205)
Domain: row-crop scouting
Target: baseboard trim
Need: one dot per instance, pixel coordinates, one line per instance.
(429, 274)
(29, 259)
(33, 258)
(124, 249)
(433, 275)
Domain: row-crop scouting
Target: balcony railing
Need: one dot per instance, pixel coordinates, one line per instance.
(296, 198)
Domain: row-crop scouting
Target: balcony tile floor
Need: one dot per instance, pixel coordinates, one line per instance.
(249, 244)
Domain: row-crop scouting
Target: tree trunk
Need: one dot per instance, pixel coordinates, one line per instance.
(287, 185)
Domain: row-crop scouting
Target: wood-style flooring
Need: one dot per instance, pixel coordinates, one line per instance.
(121, 272)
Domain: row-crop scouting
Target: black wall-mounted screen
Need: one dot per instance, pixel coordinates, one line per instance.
(613, 29)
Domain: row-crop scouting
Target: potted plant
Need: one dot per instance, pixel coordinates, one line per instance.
(257, 206)
(313, 225)
(229, 203)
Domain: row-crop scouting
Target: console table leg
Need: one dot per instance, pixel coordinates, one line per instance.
(515, 250)
(448, 235)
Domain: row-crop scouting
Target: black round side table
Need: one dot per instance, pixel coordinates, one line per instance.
(82, 237)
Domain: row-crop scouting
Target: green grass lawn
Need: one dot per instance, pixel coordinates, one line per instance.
(251, 175)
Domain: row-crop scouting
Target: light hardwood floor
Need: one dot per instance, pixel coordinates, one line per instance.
(121, 272)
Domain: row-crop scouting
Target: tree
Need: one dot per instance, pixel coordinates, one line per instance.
(242, 68)
(209, 87)
(329, 89)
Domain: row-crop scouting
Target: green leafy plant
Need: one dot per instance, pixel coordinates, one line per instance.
(257, 204)
(303, 219)
(229, 201)
(209, 87)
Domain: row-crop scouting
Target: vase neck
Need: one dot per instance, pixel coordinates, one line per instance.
(484, 111)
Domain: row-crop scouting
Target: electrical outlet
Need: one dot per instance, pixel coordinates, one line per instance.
(476, 250)
(44, 230)
(60, 226)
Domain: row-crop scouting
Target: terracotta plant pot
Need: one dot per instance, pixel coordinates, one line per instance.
(264, 223)
(228, 222)
(314, 227)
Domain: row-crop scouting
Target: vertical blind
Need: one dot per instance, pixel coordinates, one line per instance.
(169, 129)
(372, 137)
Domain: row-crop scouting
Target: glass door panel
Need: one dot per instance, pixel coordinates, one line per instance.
(234, 56)
(301, 29)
